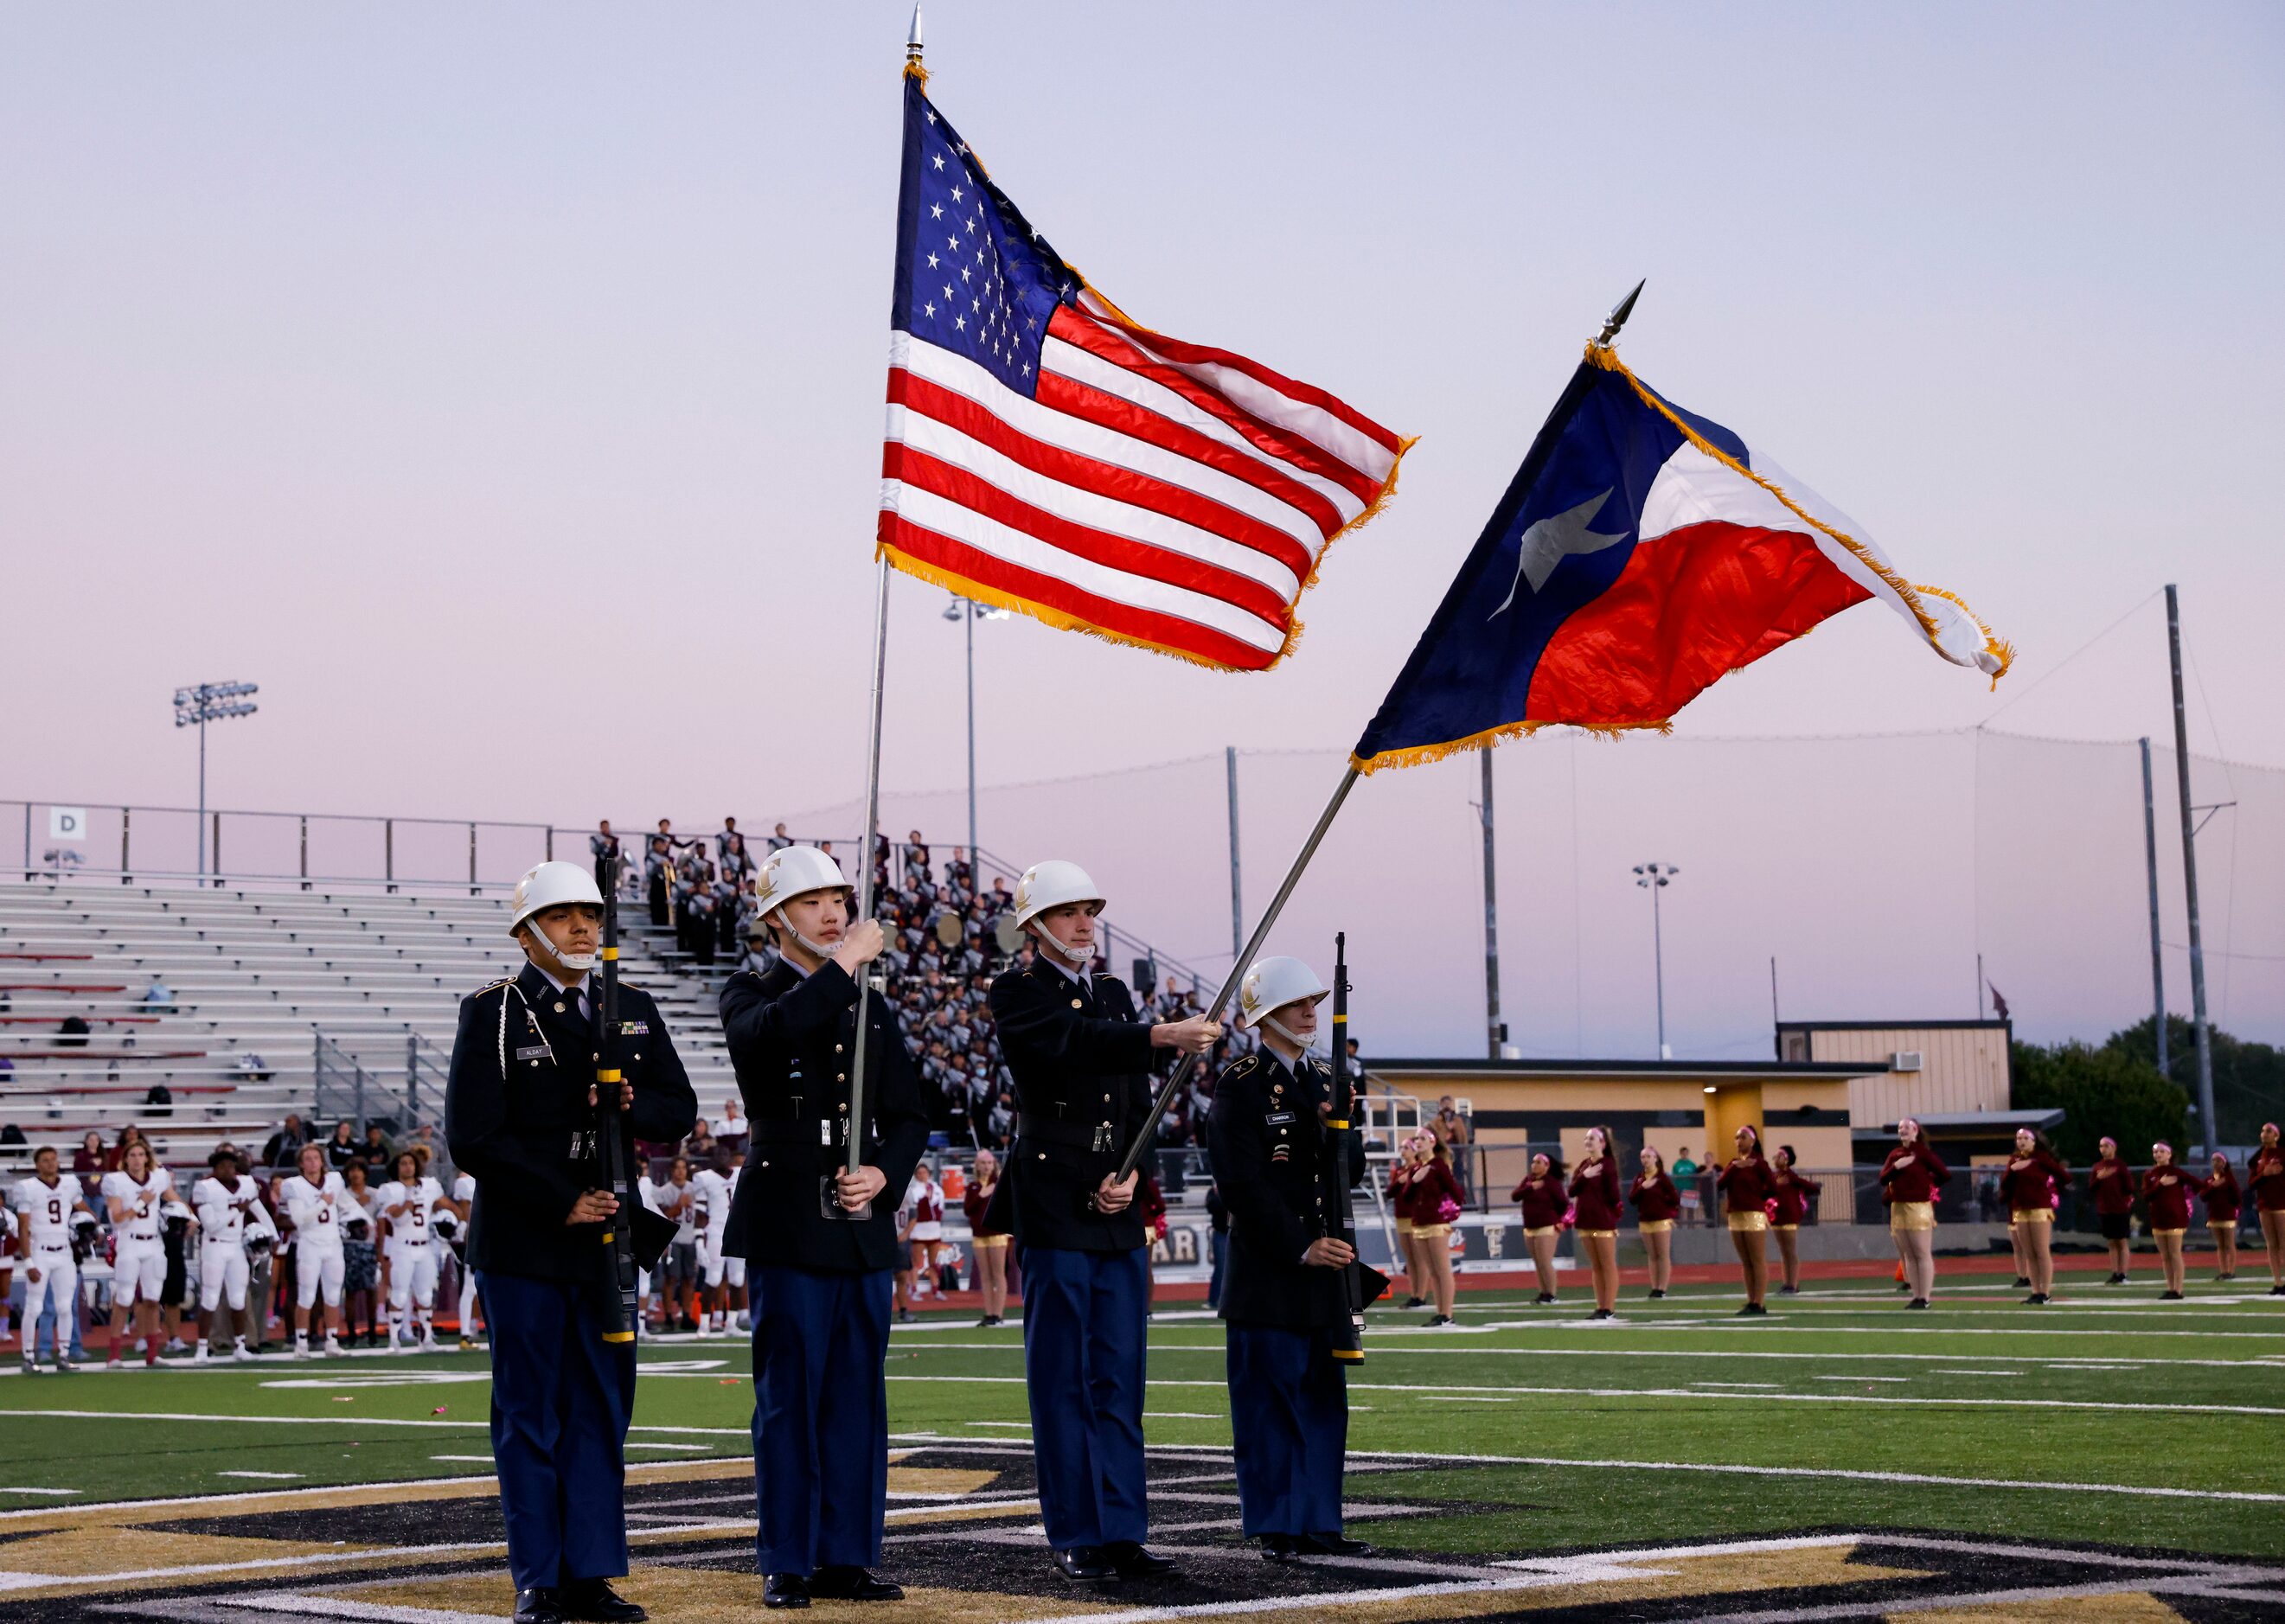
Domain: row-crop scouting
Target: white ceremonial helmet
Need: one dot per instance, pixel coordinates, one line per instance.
(1274, 982)
(796, 871)
(1050, 885)
(549, 885)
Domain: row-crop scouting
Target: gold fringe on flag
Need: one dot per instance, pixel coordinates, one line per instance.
(1420, 755)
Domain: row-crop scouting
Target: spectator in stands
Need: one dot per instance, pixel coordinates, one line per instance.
(778, 839)
(116, 1156)
(341, 1149)
(379, 1151)
(700, 1146)
(728, 839)
(1453, 1131)
(731, 1130)
(604, 846)
(157, 995)
(88, 1160)
(284, 1148)
(658, 875)
(1685, 1184)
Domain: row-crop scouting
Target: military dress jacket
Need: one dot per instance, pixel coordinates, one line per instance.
(1269, 1149)
(516, 1115)
(1081, 1061)
(791, 1039)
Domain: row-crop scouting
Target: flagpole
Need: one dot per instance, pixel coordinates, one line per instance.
(1166, 1095)
(868, 977)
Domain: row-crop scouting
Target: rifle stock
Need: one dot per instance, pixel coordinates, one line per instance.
(1363, 1286)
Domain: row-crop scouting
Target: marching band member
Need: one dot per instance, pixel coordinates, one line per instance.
(522, 1116)
(1794, 1196)
(1909, 1178)
(2112, 1183)
(1285, 1299)
(134, 1194)
(1746, 1188)
(1544, 1202)
(227, 1206)
(1656, 1204)
(47, 1205)
(2028, 1184)
(818, 1286)
(2167, 1189)
(1081, 1062)
(1595, 1190)
(2222, 1198)
(2264, 1182)
(315, 1203)
(990, 1244)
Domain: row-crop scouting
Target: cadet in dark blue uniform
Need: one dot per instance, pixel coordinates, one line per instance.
(1080, 1060)
(819, 1287)
(519, 1115)
(1284, 1297)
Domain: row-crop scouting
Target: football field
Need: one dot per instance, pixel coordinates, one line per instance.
(2108, 1456)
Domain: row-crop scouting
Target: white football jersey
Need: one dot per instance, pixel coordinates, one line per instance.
(316, 1210)
(464, 1188)
(646, 1192)
(139, 1203)
(223, 1213)
(412, 1223)
(713, 1202)
(47, 1209)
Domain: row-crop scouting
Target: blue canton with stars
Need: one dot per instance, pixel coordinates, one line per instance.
(972, 276)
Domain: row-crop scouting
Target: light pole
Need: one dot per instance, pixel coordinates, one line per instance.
(1654, 878)
(195, 707)
(968, 611)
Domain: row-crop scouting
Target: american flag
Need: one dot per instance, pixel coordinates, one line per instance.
(1046, 454)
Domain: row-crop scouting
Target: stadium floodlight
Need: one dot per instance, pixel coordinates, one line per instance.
(195, 707)
(968, 610)
(1654, 878)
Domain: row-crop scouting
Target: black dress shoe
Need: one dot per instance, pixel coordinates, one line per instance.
(785, 1590)
(1084, 1563)
(1279, 1548)
(1331, 1545)
(539, 1606)
(593, 1598)
(853, 1584)
(1133, 1562)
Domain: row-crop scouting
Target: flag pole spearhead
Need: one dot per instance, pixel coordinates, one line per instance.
(1618, 317)
(912, 40)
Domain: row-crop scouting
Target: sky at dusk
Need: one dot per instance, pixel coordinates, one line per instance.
(501, 388)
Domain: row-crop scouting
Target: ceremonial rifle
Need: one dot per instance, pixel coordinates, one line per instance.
(624, 1241)
(1362, 1286)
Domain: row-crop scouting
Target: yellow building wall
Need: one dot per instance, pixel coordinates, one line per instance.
(1962, 1068)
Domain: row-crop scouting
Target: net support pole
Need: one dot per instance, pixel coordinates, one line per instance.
(2209, 1130)
(2157, 955)
(867, 840)
(1253, 946)
(1236, 896)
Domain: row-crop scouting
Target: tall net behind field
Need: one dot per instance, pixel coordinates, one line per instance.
(1873, 869)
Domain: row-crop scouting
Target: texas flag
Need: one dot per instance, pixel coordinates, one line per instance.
(1640, 553)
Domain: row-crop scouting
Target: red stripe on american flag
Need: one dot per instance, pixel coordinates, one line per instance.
(1085, 473)
(1201, 355)
(923, 472)
(1083, 331)
(1119, 619)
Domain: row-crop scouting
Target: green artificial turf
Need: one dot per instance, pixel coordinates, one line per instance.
(2112, 1389)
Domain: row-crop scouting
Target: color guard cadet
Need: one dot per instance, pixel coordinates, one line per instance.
(818, 1282)
(520, 1116)
(1081, 1063)
(1284, 1297)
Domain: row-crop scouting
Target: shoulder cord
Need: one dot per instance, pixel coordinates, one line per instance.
(520, 998)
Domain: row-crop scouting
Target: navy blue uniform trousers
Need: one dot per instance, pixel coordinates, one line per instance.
(1084, 1320)
(560, 1400)
(820, 1417)
(1289, 1412)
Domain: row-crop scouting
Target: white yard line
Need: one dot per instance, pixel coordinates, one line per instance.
(1378, 1340)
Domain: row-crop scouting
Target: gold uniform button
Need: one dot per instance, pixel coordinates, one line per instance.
(1106, 1099)
(558, 1008)
(1075, 1004)
(535, 1066)
(843, 1109)
(841, 1077)
(837, 1048)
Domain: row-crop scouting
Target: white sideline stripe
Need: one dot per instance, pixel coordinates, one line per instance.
(1692, 1392)
(39, 1491)
(1379, 1339)
(274, 1477)
(342, 1607)
(362, 1421)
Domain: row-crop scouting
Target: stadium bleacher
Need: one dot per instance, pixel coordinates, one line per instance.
(256, 974)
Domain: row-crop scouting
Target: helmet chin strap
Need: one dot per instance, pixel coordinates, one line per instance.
(1304, 1044)
(1074, 957)
(580, 963)
(818, 951)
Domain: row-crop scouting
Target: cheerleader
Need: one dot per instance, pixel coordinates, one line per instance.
(1595, 1190)
(1794, 1196)
(2166, 1189)
(1656, 1204)
(1908, 1182)
(2031, 1183)
(990, 1244)
(1400, 1202)
(1746, 1189)
(2112, 1183)
(1435, 1205)
(2264, 1182)
(1544, 1202)
(2221, 1196)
